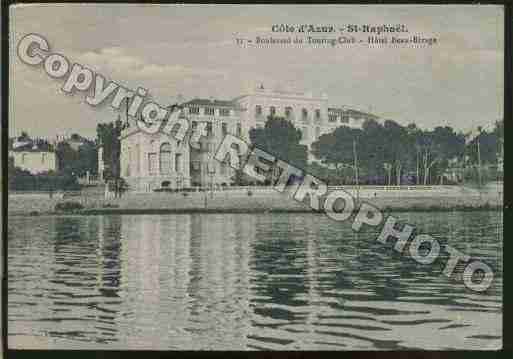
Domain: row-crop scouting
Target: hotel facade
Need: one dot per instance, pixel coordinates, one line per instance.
(152, 161)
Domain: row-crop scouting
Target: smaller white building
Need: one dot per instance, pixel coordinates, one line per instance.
(35, 161)
(149, 162)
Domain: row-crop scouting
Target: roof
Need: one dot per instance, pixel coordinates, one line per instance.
(337, 110)
(31, 149)
(209, 102)
(30, 145)
(360, 113)
(352, 112)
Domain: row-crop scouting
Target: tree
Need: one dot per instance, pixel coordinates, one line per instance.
(77, 162)
(397, 139)
(336, 148)
(489, 144)
(67, 158)
(484, 151)
(108, 135)
(280, 138)
(438, 147)
(24, 137)
(390, 152)
(88, 158)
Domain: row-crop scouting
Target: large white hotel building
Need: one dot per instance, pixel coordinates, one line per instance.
(152, 161)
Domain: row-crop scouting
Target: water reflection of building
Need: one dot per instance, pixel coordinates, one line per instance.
(187, 276)
(150, 161)
(221, 285)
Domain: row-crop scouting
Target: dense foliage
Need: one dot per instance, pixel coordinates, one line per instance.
(280, 138)
(389, 153)
(108, 137)
(21, 180)
(77, 162)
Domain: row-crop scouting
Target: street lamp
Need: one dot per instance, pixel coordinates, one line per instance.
(356, 171)
(355, 168)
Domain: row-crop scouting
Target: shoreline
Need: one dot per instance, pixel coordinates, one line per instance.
(115, 211)
(240, 201)
(415, 205)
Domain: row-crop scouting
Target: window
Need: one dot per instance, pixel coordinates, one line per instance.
(272, 110)
(178, 162)
(224, 112)
(43, 158)
(344, 118)
(194, 110)
(209, 129)
(209, 111)
(138, 158)
(195, 166)
(288, 111)
(317, 114)
(152, 163)
(239, 130)
(194, 124)
(304, 115)
(210, 167)
(258, 110)
(224, 128)
(332, 117)
(304, 130)
(165, 158)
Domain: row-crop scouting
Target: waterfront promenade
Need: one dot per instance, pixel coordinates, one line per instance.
(261, 199)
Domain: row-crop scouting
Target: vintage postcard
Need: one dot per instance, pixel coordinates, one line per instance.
(255, 177)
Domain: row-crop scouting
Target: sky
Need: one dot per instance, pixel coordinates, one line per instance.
(191, 50)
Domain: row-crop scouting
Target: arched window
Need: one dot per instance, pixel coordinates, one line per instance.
(258, 110)
(165, 158)
(178, 162)
(304, 115)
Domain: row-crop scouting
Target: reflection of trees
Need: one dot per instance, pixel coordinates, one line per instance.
(279, 265)
(86, 254)
(110, 250)
(355, 261)
(219, 286)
